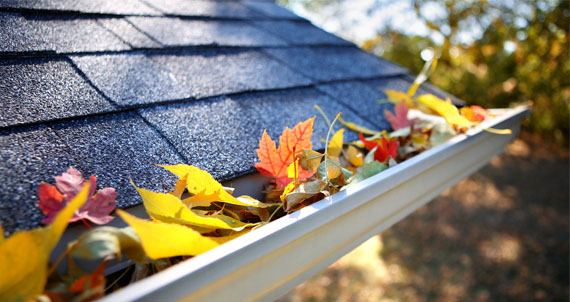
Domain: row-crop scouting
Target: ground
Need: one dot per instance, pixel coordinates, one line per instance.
(500, 235)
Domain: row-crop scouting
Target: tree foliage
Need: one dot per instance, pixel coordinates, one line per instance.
(519, 54)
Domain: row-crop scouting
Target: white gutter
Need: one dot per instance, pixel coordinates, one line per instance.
(268, 262)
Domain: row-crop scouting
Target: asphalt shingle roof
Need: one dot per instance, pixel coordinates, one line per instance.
(113, 87)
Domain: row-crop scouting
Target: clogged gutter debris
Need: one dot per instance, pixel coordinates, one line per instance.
(200, 214)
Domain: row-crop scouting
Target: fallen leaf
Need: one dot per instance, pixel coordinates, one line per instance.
(273, 161)
(26, 254)
(474, 113)
(366, 171)
(92, 286)
(109, 241)
(310, 160)
(441, 133)
(397, 97)
(330, 168)
(400, 120)
(167, 208)
(161, 240)
(354, 156)
(335, 144)
(445, 109)
(68, 184)
(302, 192)
(358, 128)
(384, 149)
(205, 188)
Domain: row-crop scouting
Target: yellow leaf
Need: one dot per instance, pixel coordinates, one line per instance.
(310, 160)
(335, 144)
(293, 170)
(354, 156)
(445, 109)
(179, 189)
(25, 255)
(205, 188)
(288, 189)
(396, 97)
(357, 128)
(167, 208)
(162, 240)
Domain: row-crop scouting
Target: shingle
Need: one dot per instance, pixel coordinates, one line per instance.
(178, 32)
(129, 79)
(300, 33)
(16, 34)
(271, 9)
(334, 63)
(37, 90)
(362, 99)
(128, 33)
(61, 34)
(198, 8)
(216, 72)
(131, 7)
(116, 148)
(226, 146)
(28, 157)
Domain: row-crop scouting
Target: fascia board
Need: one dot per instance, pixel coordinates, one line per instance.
(271, 260)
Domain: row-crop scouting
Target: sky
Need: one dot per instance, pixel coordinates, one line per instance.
(355, 20)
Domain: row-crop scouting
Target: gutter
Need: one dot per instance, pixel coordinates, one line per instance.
(266, 263)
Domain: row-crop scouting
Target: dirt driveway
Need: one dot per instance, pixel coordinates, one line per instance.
(500, 235)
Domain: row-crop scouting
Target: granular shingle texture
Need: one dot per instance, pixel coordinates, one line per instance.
(29, 156)
(235, 126)
(300, 33)
(118, 147)
(128, 7)
(37, 90)
(65, 35)
(128, 33)
(179, 32)
(114, 87)
(203, 8)
(129, 79)
(334, 63)
(271, 9)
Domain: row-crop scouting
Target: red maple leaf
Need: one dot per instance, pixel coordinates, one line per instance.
(383, 149)
(273, 161)
(400, 120)
(54, 198)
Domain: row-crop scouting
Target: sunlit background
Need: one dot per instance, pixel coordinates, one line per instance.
(503, 233)
(493, 53)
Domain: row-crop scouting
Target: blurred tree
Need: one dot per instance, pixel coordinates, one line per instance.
(493, 53)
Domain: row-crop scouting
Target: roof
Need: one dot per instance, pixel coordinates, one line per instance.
(113, 87)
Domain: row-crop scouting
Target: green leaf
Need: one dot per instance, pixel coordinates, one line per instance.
(109, 241)
(366, 171)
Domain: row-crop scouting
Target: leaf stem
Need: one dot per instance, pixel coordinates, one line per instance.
(323, 115)
(327, 144)
(86, 223)
(118, 278)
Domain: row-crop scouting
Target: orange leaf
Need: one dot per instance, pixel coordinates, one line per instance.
(273, 161)
(94, 281)
(269, 162)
